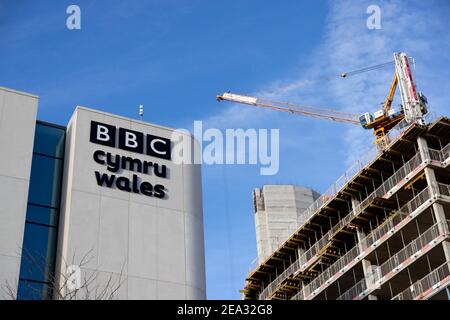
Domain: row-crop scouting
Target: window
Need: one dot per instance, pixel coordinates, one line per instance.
(37, 266)
(38, 253)
(45, 181)
(49, 140)
(32, 290)
(42, 215)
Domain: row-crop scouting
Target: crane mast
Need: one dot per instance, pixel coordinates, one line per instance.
(414, 102)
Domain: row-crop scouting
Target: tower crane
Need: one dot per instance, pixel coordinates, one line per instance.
(413, 107)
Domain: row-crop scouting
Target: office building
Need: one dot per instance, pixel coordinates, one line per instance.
(96, 209)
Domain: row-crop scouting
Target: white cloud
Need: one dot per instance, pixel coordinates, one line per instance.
(419, 30)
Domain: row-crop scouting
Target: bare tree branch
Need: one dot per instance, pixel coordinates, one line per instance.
(89, 288)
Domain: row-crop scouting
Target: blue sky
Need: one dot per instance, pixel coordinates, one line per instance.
(176, 56)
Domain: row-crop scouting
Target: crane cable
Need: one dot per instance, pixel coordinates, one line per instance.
(350, 73)
(371, 68)
(342, 75)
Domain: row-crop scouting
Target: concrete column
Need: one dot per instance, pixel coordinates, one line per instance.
(439, 215)
(355, 203)
(446, 247)
(423, 149)
(438, 209)
(366, 264)
(429, 172)
(431, 178)
(360, 235)
(300, 253)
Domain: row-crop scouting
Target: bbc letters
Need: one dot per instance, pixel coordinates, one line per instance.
(134, 141)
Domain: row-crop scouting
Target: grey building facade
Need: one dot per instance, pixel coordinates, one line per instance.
(98, 208)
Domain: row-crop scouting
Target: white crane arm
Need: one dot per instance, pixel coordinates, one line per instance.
(328, 114)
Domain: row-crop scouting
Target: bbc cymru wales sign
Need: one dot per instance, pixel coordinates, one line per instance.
(132, 141)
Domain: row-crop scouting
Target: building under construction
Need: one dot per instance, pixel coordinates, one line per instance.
(382, 230)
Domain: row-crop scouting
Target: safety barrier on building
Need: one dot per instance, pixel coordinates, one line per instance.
(441, 156)
(278, 280)
(444, 189)
(401, 176)
(355, 291)
(339, 184)
(348, 175)
(446, 155)
(369, 243)
(435, 155)
(435, 280)
(388, 188)
(406, 256)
